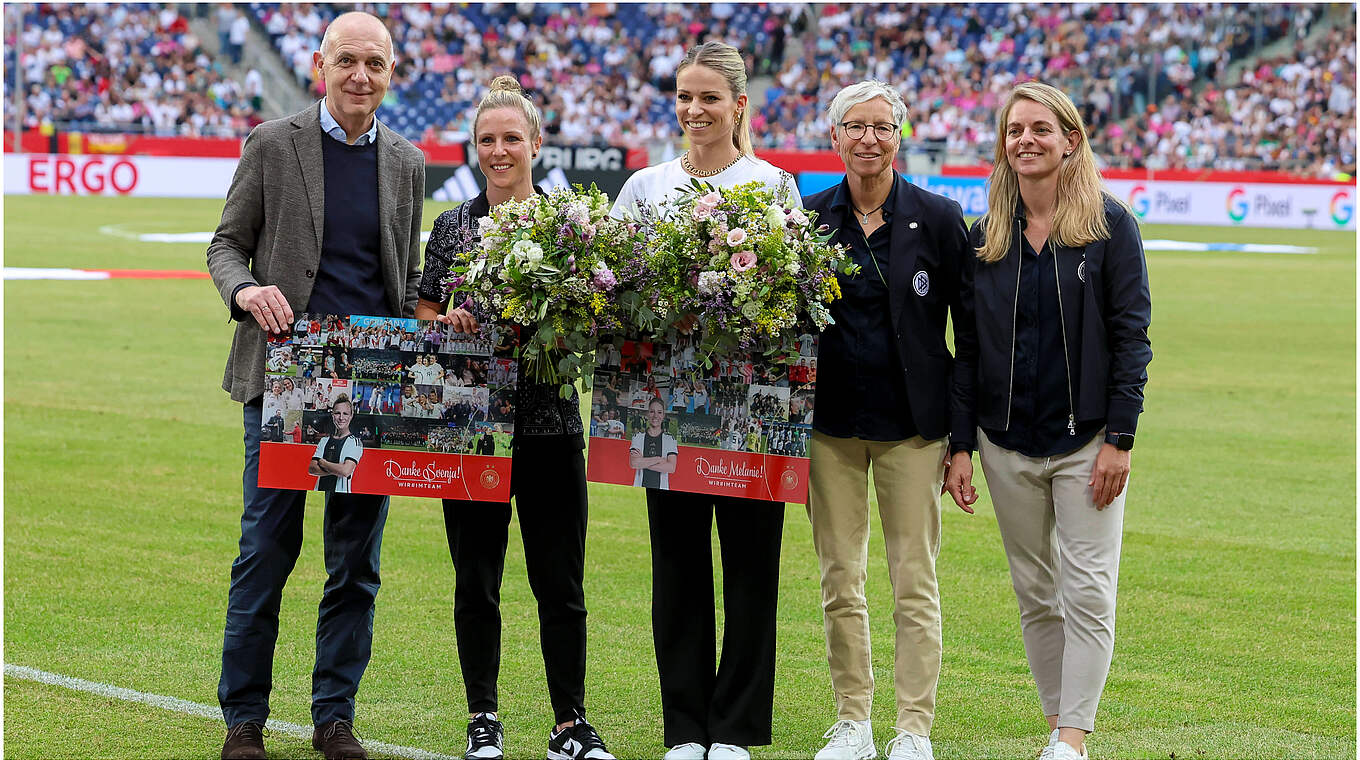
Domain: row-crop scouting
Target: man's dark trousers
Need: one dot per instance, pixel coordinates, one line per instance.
(271, 538)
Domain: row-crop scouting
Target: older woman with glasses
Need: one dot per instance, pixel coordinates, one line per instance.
(882, 403)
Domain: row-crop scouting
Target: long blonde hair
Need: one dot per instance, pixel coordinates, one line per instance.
(727, 61)
(1079, 211)
(506, 92)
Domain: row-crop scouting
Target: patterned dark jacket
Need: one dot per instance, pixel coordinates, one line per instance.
(539, 410)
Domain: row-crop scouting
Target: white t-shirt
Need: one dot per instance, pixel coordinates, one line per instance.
(660, 183)
(425, 374)
(273, 407)
(351, 448)
(667, 447)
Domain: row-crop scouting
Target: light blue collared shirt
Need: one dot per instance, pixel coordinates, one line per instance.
(332, 127)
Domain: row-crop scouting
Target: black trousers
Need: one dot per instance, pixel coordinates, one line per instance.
(701, 700)
(548, 482)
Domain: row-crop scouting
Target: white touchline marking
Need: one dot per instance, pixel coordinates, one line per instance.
(43, 273)
(116, 230)
(175, 704)
(1181, 245)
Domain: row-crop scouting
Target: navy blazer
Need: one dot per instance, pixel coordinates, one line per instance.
(927, 253)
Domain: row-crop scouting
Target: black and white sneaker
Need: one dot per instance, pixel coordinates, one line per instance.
(577, 742)
(486, 738)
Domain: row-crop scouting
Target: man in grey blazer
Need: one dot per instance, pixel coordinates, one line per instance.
(323, 216)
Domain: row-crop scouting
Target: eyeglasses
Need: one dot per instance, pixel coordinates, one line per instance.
(855, 130)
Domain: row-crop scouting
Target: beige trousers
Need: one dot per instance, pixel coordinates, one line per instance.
(1064, 558)
(907, 479)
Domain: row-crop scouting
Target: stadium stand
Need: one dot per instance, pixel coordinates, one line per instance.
(580, 61)
(1126, 65)
(1161, 85)
(122, 67)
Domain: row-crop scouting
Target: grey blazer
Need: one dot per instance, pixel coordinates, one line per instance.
(271, 227)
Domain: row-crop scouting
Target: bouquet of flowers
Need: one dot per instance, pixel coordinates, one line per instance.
(748, 268)
(549, 263)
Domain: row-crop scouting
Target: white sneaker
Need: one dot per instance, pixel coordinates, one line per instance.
(690, 751)
(849, 740)
(720, 751)
(908, 746)
(1061, 751)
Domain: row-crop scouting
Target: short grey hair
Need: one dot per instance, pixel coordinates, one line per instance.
(863, 92)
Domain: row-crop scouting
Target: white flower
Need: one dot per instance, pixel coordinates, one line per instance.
(485, 226)
(736, 237)
(578, 213)
(527, 252)
(710, 282)
(794, 267)
(775, 216)
(798, 217)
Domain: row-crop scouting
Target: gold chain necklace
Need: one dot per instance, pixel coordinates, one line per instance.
(689, 167)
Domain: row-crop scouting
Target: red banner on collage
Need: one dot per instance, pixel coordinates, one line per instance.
(395, 472)
(714, 471)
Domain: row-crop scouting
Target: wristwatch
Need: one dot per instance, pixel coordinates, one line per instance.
(1121, 441)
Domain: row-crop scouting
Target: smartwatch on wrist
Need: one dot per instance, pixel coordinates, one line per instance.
(1121, 441)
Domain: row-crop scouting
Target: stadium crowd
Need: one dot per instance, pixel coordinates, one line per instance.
(954, 64)
(1153, 81)
(124, 67)
(578, 60)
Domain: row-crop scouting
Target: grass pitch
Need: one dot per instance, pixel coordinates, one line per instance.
(1236, 634)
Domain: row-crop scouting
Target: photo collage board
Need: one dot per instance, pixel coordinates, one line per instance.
(418, 392)
(738, 427)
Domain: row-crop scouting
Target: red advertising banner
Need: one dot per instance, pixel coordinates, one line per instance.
(740, 427)
(381, 405)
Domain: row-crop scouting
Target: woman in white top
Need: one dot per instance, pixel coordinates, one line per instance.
(707, 708)
(292, 395)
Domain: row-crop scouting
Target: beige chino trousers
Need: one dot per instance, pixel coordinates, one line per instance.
(1064, 558)
(907, 479)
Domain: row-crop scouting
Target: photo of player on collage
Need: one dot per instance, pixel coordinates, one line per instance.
(401, 383)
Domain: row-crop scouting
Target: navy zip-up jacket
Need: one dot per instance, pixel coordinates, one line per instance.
(1107, 330)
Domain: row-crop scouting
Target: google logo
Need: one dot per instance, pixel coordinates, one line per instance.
(1237, 206)
(1138, 200)
(1342, 208)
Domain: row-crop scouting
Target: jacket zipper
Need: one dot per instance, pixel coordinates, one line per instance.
(1067, 361)
(1015, 312)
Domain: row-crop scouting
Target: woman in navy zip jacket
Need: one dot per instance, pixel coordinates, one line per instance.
(1049, 390)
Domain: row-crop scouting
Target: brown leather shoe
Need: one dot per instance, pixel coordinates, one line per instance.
(245, 741)
(336, 741)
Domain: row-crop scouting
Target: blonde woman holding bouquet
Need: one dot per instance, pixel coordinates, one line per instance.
(551, 500)
(709, 708)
